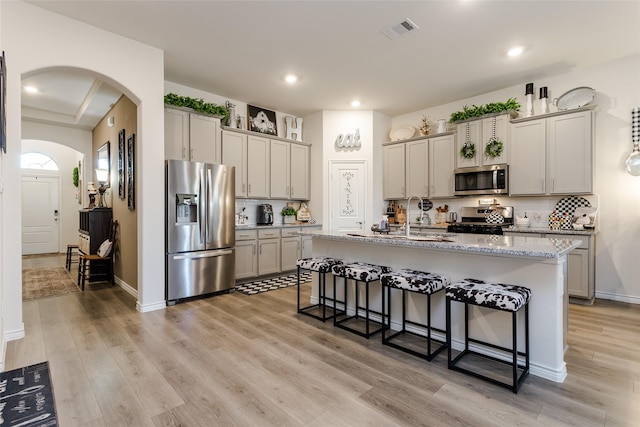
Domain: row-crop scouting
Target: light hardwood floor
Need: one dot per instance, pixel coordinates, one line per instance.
(252, 361)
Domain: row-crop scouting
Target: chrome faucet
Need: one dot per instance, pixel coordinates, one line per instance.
(407, 229)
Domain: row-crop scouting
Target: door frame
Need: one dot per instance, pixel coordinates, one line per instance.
(362, 163)
(34, 173)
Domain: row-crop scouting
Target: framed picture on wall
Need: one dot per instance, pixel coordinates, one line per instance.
(121, 155)
(262, 120)
(131, 162)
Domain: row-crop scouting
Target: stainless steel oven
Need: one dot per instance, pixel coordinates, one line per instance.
(492, 179)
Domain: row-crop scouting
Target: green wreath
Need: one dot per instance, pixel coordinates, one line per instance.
(493, 148)
(468, 150)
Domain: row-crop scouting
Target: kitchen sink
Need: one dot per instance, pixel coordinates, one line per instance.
(418, 237)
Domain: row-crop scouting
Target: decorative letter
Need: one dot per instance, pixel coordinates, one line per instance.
(294, 130)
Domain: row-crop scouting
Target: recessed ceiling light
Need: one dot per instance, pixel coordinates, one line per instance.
(291, 78)
(31, 89)
(355, 103)
(515, 51)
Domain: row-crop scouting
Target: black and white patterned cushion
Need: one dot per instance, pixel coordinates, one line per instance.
(360, 271)
(415, 281)
(494, 295)
(320, 264)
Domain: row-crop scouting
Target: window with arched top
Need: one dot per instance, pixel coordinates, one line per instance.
(34, 160)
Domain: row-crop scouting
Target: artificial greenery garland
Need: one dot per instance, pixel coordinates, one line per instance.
(196, 104)
(480, 110)
(493, 148)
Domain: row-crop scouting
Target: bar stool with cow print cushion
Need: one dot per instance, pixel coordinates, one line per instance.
(417, 282)
(360, 272)
(322, 266)
(497, 296)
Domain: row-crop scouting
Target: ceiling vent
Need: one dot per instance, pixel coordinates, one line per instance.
(400, 29)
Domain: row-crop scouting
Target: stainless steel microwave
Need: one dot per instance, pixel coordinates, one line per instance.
(492, 179)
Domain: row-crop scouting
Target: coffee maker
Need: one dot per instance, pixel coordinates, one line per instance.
(265, 215)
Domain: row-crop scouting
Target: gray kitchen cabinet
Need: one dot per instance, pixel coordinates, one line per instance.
(527, 160)
(250, 156)
(246, 254)
(190, 136)
(570, 153)
(291, 249)
(480, 131)
(289, 165)
(552, 155)
(441, 165)
(234, 153)
(306, 247)
(580, 264)
(475, 137)
(268, 251)
(421, 167)
(417, 169)
(300, 172)
(393, 171)
(257, 167)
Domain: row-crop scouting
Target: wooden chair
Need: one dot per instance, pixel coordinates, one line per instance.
(102, 265)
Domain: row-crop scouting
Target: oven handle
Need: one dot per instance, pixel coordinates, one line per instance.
(495, 179)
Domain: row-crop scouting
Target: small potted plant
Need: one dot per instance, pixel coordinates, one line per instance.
(289, 214)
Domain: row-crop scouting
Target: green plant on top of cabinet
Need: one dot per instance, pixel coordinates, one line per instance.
(289, 165)
(250, 156)
(190, 136)
(552, 155)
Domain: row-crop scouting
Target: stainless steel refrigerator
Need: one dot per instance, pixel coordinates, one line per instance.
(200, 232)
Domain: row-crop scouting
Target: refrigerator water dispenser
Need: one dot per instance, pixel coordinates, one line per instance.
(186, 208)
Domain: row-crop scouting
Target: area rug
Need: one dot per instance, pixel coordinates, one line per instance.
(265, 285)
(46, 282)
(26, 397)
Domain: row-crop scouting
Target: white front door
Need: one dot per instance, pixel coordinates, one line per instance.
(347, 196)
(40, 214)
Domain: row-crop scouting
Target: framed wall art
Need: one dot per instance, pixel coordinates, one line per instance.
(131, 162)
(262, 120)
(121, 155)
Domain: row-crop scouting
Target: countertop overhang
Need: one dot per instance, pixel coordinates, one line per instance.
(509, 246)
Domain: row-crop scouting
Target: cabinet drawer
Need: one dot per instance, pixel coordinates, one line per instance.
(290, 232)
(269, 234)
(246, 235)
(584, 239)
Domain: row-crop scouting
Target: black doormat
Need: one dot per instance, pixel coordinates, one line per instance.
(259, 286)
(26, 397)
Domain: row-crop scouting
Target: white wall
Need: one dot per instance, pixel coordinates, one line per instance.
(48, 41)
(67, 159)
(240, 106)
(618, 91)
(3, 341)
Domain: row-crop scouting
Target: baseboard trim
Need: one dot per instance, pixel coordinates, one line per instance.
(16, 334)
(127, 287)
(134, 292)
(617, 297)
(150, 307)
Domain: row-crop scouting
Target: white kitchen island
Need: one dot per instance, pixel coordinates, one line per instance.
(537, 263)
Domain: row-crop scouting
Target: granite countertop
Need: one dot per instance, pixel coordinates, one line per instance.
(258, 227)
(514, 246)
(415, 225)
